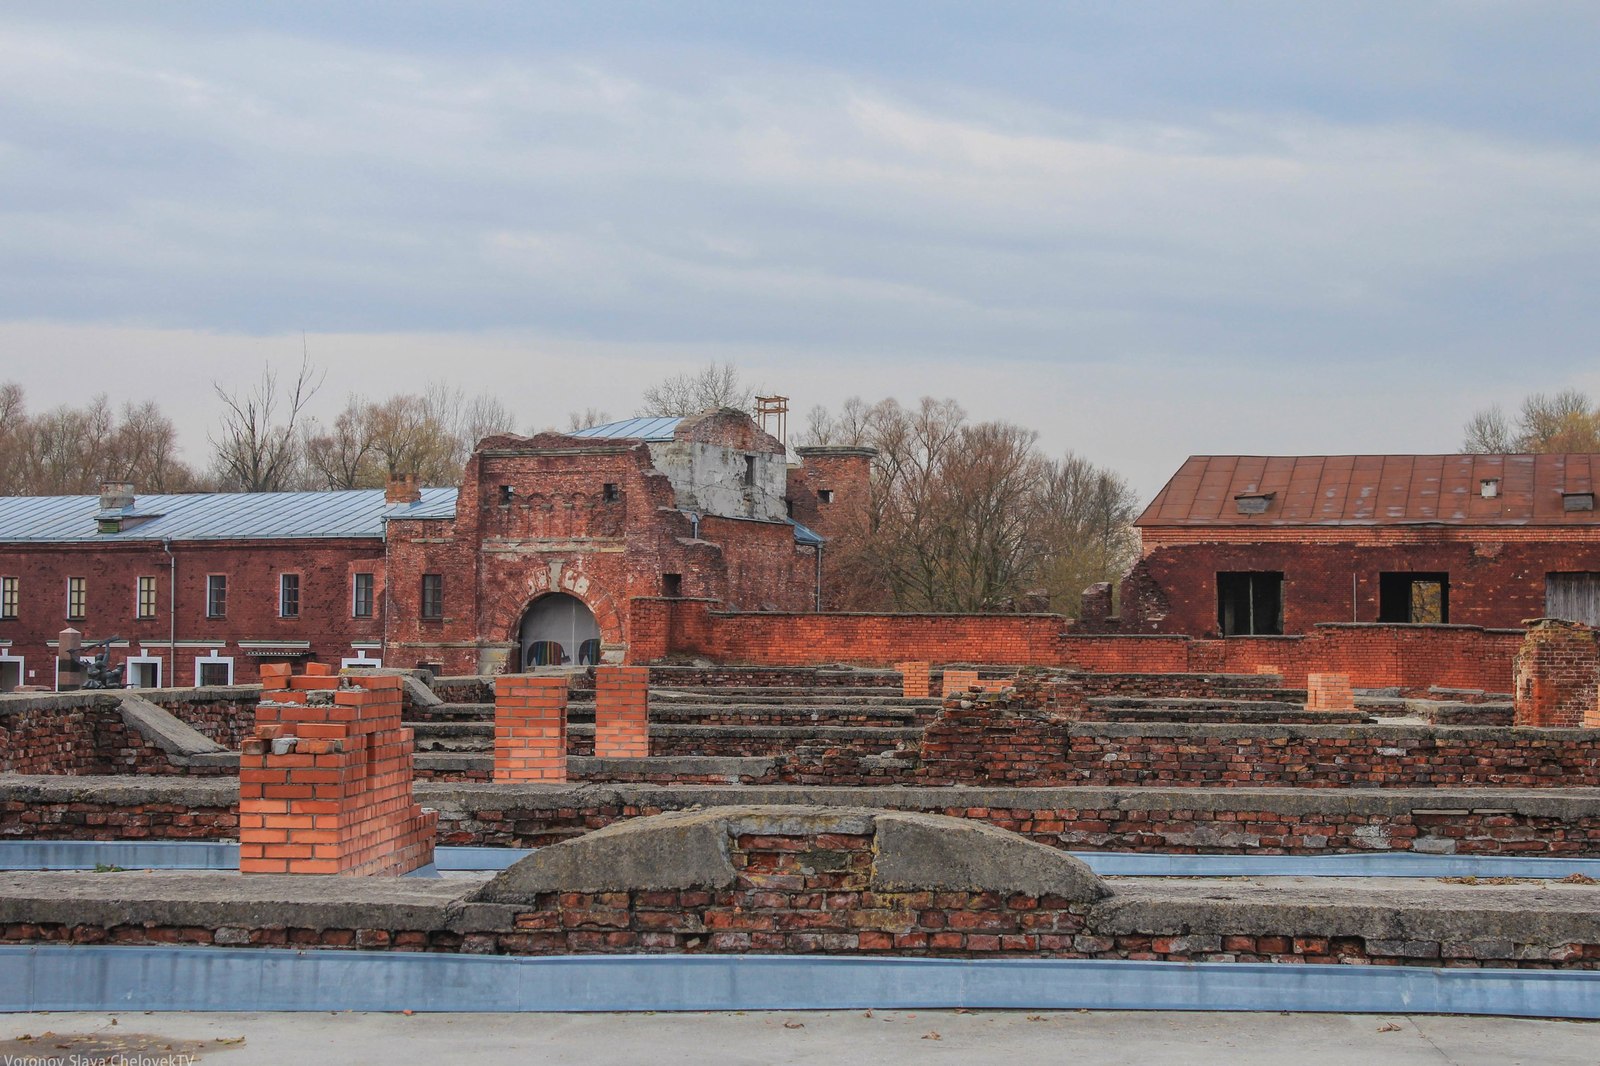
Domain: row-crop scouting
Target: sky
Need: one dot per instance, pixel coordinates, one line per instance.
(1144, 230)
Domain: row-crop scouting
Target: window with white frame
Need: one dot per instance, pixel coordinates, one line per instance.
(288, 595)
(77, 598)
(213, 669)
(361, 595)
(144, 671)
(145, 600)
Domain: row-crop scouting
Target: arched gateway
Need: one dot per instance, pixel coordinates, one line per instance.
(558, 629)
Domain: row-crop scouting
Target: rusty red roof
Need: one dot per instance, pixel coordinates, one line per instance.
(1375, 490)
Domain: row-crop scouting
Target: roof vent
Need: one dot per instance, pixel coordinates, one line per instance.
(1489, 488)
(1253, 502)
(1577, 501)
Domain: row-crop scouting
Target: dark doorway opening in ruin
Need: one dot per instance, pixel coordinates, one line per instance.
(1421, 599)
(1250, 604)
(559, 630)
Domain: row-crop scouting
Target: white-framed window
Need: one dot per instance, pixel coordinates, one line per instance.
(360, 661)
(288, 595)
(77, 598)
(12, 671)
(144, 604)
(213, 669)
(144, 671)
(216, 595)
(362, 589)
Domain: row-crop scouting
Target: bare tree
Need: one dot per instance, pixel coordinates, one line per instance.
(340, 456)
(589, 416)
(1086, 518)
(1564, 421)
(713, 385)
(257, 447)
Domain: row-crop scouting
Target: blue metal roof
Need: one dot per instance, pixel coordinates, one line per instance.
(218, 515)
(650, 429)
(802, 535)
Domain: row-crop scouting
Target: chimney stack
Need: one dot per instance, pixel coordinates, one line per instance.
(402, 490)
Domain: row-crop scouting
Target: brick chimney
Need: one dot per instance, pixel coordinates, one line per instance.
(402, 490)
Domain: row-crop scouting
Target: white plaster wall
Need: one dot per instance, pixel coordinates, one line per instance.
(709, 479)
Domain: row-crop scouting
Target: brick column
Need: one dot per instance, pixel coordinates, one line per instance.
(1555, 675)
(621, 712)
(325, 783)
(1329, 692)
(530, 728)
(916, 681)
(959, 681)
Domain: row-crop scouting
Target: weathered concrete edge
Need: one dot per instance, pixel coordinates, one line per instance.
(158, 726)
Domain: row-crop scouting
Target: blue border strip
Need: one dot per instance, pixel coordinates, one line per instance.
(98, 978)
(216, 855)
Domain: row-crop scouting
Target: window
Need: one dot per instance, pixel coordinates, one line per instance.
(1250, 604)
(145, 607)
(824, 495)
(8, 597)
(213, 670)
(77, 594)
(506, 495)
(433, 595)
(750, 471)
(1416, 598)
(288, 595)
(216, 596)
(1573, 596)
(144, 671)
(672, 584)
(609, 492)
(361, 596)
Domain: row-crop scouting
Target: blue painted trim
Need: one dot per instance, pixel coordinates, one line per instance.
(217, 855)
(99, 978)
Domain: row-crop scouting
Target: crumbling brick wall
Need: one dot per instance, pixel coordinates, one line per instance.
(1556, 673)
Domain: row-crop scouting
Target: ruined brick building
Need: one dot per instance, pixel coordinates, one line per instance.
(533, 559)
(1253, 545)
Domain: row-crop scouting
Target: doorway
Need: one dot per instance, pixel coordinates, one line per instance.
(558, 630)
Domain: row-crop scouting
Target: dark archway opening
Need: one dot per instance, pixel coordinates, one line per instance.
(558, 630)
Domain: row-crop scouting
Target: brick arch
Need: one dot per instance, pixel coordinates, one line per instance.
(575, 583)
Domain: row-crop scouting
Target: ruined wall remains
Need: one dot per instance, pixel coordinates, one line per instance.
(1557, 675)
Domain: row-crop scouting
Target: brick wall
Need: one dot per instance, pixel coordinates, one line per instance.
(1557, 669)
(78, 733)
(1497, 575)
(338, 800)
(1329, 692)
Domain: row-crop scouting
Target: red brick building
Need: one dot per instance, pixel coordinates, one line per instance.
(1238, 545)
(533, 559)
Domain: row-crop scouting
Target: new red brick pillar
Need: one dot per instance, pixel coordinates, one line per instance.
(1554, 675)
(325, 783)
(621, 712)
(959, 681)
(530, 728)
(916, 679)
(1329, 692)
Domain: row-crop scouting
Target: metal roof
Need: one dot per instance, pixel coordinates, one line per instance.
(1373, 490)
(648, 429)
(217, 515)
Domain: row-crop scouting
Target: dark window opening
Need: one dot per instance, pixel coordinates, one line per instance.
(1250, 604)
(215, 673)
(433, 596)
(505, 495)
(788, 506)
(672, 584)
(1422, 599)
(362, 596)
(824, 495)
(216, 596)
(289, 596)
(750, 470)
(609, 493)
